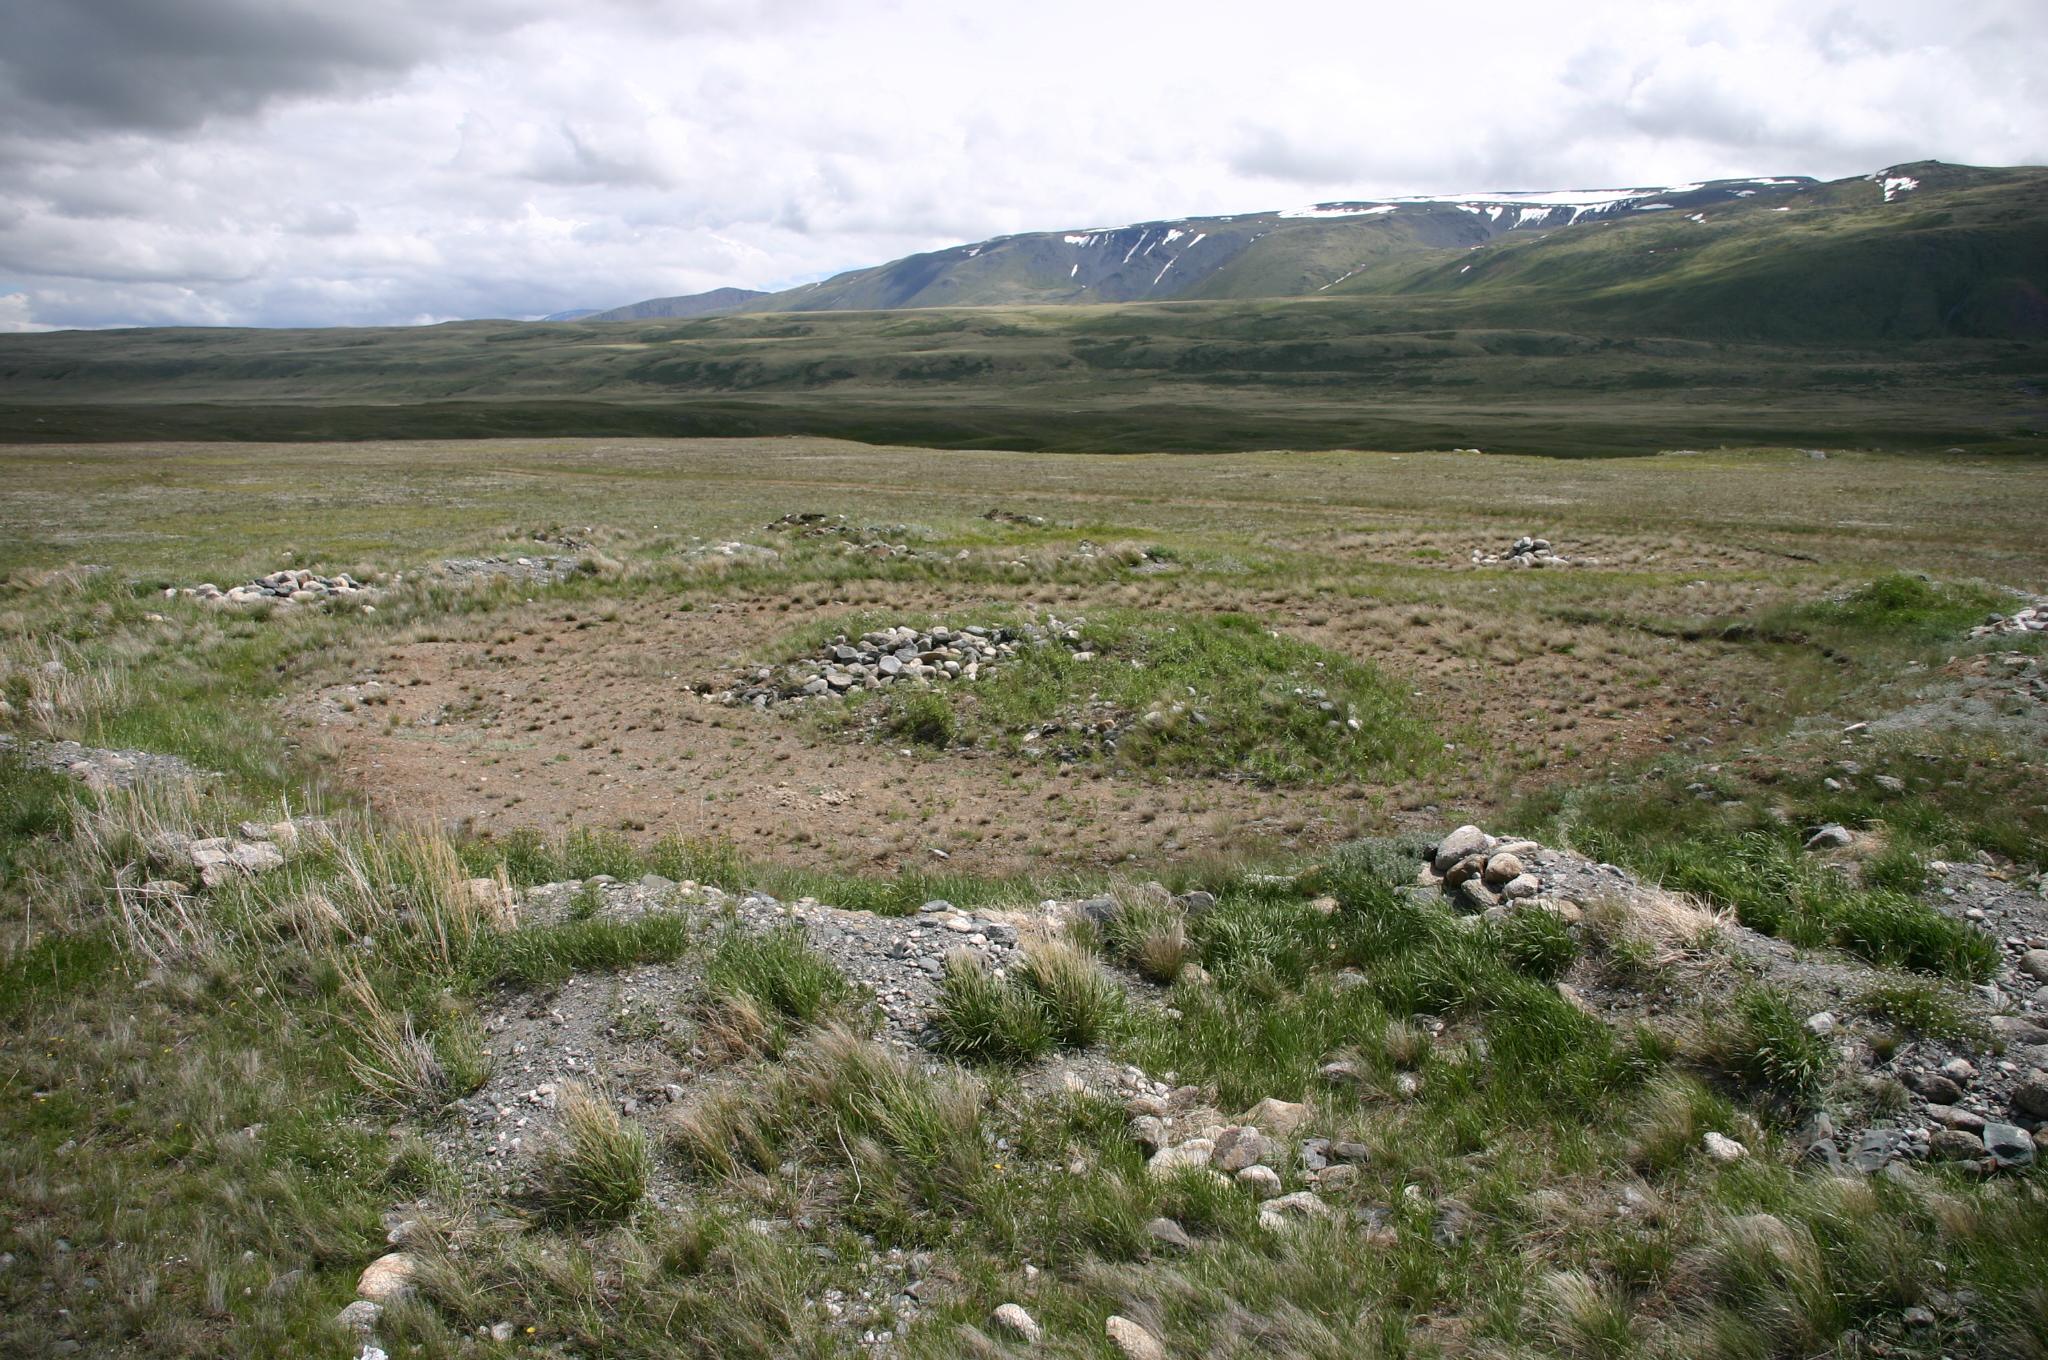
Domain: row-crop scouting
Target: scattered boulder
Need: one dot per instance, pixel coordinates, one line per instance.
(893, 656)
(1479, 872)
(1134, 1341)
(2010, 1145)
(1823, 1154)
(1831, 836)
(1466, 840)
(1954, 1145)
(1525, 553)
(1263, 1181)
(1148, 1131)
(388, 1278)
(1242, 1145)
(1279, 1117)
(280, 589)
(1288, 1211)
(1193, 1153)
(359, 1317)
(2031, 619)
(1931, 1086)
(1722, 1148)
(1169, 1234)
(2031, 1096)
(1013, 1319)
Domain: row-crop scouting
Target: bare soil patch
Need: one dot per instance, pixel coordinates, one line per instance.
(551, 717)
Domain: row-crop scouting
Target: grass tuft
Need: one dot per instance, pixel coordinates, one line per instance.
(597, 1171)
(779, 972)
(1762, 1040)
(1080, 1001)
(986, 1018)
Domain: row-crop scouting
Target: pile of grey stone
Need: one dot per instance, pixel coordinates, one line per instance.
(890, 656)
(1481, 873)
(281, 588)
(100, 769)
(256, 847)
(745, 554)
(871, 540)
(544, 569)
(1526, 552)
(2032, 619)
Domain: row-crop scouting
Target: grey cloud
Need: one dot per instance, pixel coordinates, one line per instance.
(303, 162)
(1273, 153)
(72, 67)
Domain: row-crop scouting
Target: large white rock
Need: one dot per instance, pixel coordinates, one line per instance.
(1277, 1117)
(1012, 1318)
(1134, 1341)
(1722, 1148)
(1466, 840)
(1263, 1181)
(1291, 1210)
(1194, 1152)
(387, 1278)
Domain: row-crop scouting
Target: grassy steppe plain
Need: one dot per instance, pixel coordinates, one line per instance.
(206, 1116)
(1398, 373)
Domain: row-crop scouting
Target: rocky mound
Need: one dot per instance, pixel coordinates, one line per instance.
(280, 588)
(918, 658)
(1528, 552)
(2032, 619)
(95, 767)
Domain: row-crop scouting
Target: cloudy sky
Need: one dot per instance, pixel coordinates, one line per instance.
(372, 162)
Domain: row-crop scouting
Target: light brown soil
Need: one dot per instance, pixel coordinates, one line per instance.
(553, 717)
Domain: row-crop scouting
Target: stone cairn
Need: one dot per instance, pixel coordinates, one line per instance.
(2032, 619)
(280, 588)
(870, 540)
(1479, 872)
(900, 656)
(1526, 552)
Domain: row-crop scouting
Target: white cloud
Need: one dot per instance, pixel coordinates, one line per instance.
(14, 315)
(314, 162)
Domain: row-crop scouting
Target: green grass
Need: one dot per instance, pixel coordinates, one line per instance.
(130, 1082)
(597, 1171)
(1758, 867)
(778, 972)
(540, 956)
(1180, 693)
(1763, 1040)
(1055, 997)
(1920, 1008)
(984, 1018)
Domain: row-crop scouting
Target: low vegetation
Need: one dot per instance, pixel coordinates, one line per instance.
(222, 1100)
(1184, 694)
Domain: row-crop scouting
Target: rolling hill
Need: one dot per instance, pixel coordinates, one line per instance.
(1903, 310)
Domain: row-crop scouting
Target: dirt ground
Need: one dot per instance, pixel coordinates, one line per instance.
(586, 717)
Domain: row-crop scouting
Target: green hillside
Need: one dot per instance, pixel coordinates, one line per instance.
(1816, 315)
(1965, 254)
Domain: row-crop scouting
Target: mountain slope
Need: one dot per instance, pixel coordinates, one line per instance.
(1907, 253)
(1916, 252)
(656, 309)
(1905, 311)
(1269, 254)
